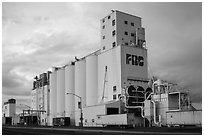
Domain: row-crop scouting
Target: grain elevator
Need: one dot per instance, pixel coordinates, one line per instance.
(110, 86)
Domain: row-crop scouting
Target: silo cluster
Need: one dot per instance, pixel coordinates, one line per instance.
(79, 78)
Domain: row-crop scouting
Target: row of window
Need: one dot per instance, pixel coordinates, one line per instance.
(126, 33)
(132, 34)
(115, 96)
(114, 44)
(113, 24)
(126, 22)
(108, 18)
(92, 120)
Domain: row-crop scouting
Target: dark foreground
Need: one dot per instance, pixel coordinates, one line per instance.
(14, 130)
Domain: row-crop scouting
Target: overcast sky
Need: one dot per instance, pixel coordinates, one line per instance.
(38, 36)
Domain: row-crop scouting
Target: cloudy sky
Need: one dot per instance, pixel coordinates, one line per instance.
(37, 36)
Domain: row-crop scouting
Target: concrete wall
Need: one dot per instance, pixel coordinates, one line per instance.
(184, 117)
(90, 115)
(107, 31)
(9, 110)
(111, 59)
(122, 27)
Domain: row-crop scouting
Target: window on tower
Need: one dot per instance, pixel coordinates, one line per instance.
(113, 44)
(108, 17)
(114, 97)
(103, 26)
(114, 89)
(113, 22)
(104, 37)
(113, 33)
(103, 20)
(126, 22)
(126, 33)
(132, 34)
(132, 24)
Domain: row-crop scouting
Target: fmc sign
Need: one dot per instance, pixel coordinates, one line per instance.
(134, 60)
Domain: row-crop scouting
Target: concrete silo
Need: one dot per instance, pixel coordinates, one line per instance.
(60, 92)
(80, 80)
(69, 88)
(91, 80)
(53, 95)
(80, 87)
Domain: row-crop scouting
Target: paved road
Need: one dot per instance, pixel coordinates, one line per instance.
(10, 130)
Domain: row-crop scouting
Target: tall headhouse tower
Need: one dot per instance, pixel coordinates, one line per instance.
(123, 58)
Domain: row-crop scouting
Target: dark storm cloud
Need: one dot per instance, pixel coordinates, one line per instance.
(45, 56)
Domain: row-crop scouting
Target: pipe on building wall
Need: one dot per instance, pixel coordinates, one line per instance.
(142, 109)
(142, 112)
(149, 95)
(155, 113)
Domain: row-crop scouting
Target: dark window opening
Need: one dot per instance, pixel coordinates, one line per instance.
(108, 17)
(114, 97)
(126, 43)
(103, 20)
(114, 88)
(79, 105)
(113, 44)
(113, 33)
(103, 26)
(132, 24)
(104, 47)
(103, 37)
(112, 111)
(132, 34)
(113, 23)
(126, 22)
(126, 33)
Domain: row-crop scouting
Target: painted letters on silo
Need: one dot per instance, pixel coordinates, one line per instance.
(80, 82)
(60, 92)
(91, 80)
(53, 93)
